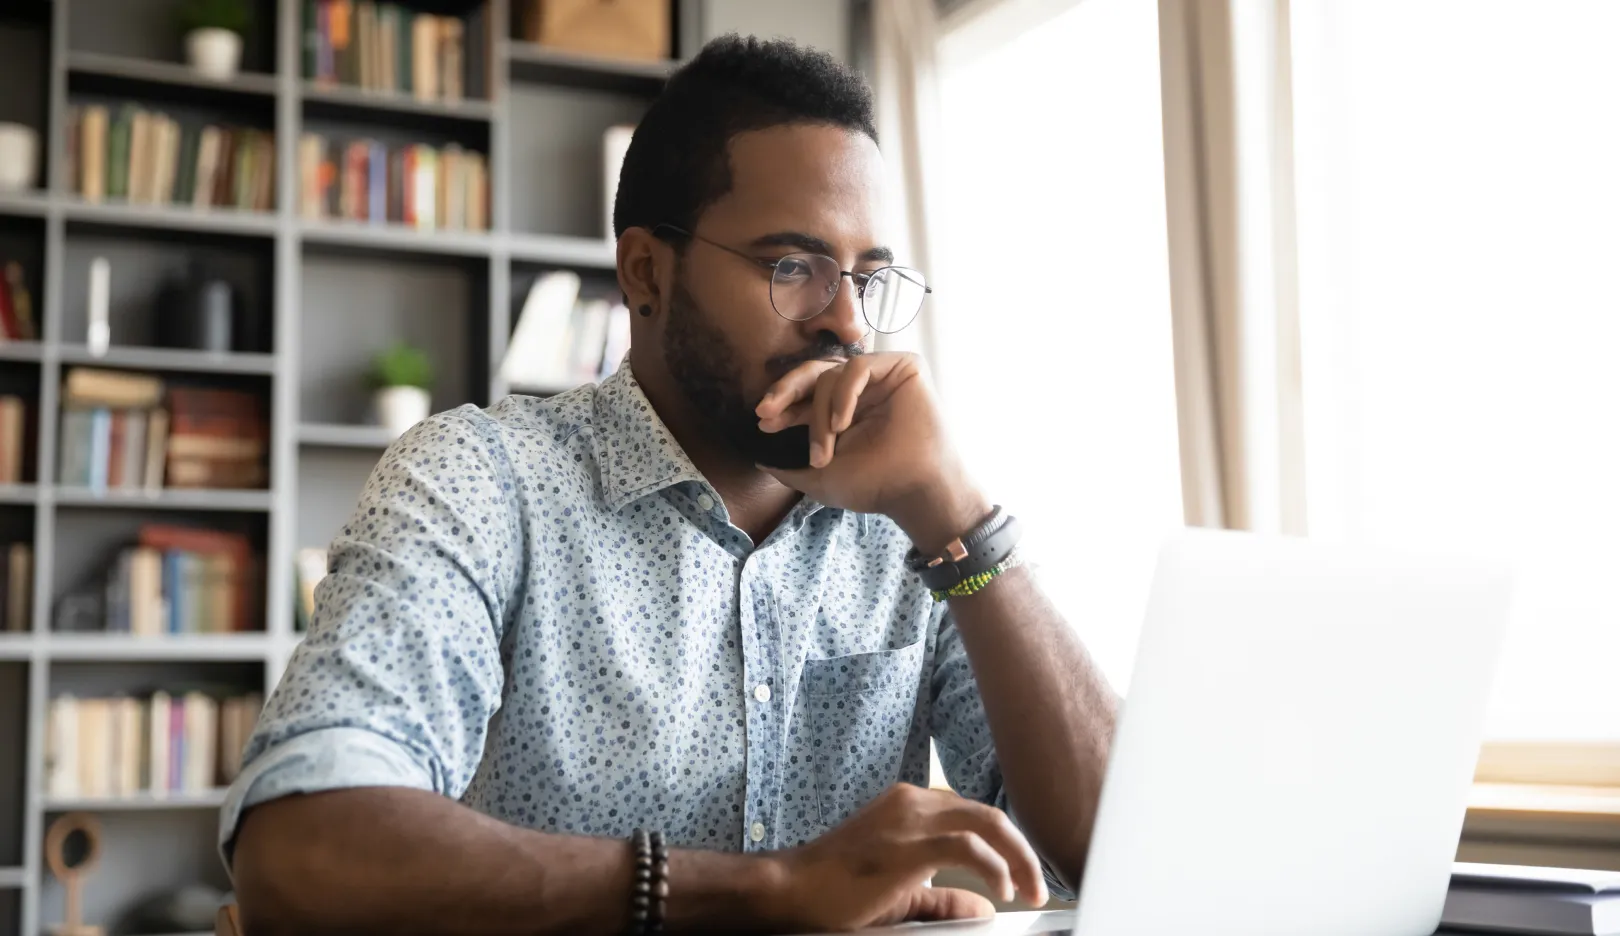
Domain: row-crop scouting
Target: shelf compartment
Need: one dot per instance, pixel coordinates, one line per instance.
(153, 852)
(530, 62)
(147, 79)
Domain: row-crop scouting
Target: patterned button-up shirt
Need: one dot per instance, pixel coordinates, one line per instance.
(541, 609)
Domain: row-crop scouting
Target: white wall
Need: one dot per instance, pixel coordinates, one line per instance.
(823, 24)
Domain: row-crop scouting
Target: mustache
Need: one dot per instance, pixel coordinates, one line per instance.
(827, 348)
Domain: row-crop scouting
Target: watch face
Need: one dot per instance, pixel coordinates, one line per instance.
(789, 449)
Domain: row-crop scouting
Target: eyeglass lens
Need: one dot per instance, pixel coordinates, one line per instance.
(805, 284)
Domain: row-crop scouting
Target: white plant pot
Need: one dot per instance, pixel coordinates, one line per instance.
(214, 53)
(400, 408)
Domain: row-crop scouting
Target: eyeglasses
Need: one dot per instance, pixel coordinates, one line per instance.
(804, 284)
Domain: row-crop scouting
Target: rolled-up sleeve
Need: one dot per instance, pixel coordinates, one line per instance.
(401, 671)
(967, 752)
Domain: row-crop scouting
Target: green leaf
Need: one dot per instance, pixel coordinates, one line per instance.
(401, 365)
(234, 15)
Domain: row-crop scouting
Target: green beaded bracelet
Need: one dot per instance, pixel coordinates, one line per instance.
(977, 583)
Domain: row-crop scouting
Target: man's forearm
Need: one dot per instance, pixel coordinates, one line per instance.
(1050, 710)
(387, 860)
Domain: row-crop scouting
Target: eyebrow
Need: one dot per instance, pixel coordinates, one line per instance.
(813, 244)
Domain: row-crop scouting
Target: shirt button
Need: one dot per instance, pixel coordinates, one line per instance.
(762, 692)
(757, 833)
(705, 502)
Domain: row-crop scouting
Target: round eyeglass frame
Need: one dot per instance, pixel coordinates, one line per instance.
(862, 280)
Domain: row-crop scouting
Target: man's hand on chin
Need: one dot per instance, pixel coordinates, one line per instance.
(877, 445)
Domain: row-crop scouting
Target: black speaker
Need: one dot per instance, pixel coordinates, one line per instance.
(198, 313)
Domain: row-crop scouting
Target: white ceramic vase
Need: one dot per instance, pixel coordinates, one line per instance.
(214, 53)
(400, 408)
(19, 157)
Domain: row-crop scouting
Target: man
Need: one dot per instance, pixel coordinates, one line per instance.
(681, 601)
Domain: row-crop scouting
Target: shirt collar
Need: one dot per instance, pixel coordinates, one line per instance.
(637, 455)
(635, 452)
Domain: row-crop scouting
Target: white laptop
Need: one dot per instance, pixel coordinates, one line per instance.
(1297, 747)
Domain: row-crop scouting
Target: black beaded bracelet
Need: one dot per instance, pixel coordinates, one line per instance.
(650, 883)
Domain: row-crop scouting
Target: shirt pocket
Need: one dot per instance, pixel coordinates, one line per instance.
(859, 709)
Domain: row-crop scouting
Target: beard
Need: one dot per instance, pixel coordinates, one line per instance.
(706, 368)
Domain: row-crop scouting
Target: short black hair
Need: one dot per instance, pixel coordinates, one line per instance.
(678, 162)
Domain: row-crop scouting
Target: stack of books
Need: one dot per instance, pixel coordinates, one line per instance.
(181, 580)
(1533, 901)
(17, 585)
(386, 47)
(416, 185)
(217, 439)
(125, 431)
(165, 743)
(149, 158)
(114, 433)
(16, 436)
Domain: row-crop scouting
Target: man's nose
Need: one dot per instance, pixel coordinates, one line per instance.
(843, 317)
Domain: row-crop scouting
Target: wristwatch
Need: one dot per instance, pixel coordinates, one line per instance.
(973, 553)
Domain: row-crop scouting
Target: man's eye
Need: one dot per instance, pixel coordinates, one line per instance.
(792, 269)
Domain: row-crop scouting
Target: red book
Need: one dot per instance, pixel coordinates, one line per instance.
(10, 328)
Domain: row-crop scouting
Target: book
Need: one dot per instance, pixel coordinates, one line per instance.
(157, 447)
(452, 76)
(308, 571)
(13, 439)
(114, 163)
(93, 145)
(534, 358)
(19, 586)
(94, 386)
(140, 156)
(1533, 900)
(22, 301)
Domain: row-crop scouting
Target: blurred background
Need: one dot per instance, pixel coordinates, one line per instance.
(1336, 268)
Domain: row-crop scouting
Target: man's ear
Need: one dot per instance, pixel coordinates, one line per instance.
(643, 261)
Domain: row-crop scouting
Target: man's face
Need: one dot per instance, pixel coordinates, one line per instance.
(795, 189)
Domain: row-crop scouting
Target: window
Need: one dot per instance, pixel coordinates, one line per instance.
(1053, 317)
(1457, 213)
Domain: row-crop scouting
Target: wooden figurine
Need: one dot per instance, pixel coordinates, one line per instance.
(72, 877)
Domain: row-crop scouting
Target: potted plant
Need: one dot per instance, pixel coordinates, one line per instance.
(401, 377)
(213, 32)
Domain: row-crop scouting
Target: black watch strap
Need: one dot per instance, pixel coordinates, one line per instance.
(978, 550)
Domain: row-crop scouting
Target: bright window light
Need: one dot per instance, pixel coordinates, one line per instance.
(1054, 343)
(1458, 195)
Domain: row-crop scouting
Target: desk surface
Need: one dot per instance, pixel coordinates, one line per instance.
(1004, 924)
